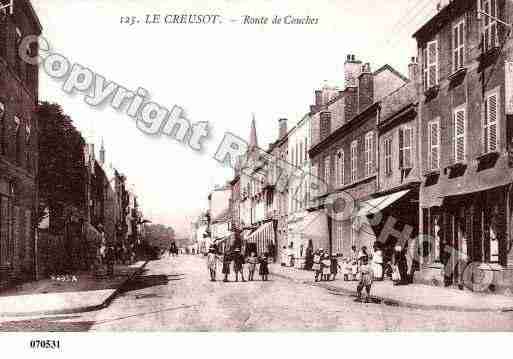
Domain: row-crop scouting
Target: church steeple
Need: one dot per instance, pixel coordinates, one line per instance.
(253, 142)
(102, 153)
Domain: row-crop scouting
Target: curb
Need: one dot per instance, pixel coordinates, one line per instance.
(395, 302)
(89, 308)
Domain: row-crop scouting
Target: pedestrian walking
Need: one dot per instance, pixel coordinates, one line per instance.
(335, 266)
(264, 267)
(317, 264)
(238, 264)
(252, 261)
(212, 263)
(365, 275)
(226, 266)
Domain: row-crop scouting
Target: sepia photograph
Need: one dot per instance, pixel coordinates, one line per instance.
(229, 166)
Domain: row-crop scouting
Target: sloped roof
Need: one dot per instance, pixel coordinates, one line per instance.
(398, 100)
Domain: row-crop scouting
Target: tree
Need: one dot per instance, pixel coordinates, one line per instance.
(159, 235)
(61, 179)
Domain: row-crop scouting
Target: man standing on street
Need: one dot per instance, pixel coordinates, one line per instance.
(238, 264)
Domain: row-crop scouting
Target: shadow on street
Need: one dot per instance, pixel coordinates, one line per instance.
(148, 281)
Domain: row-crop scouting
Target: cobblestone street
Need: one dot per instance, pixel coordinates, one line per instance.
(175, 294)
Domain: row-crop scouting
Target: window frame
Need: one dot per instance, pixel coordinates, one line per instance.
(458, 45)
(327, 169)
(490, 25)
(354, 161)
(387, 158)
(403, 148)
(339, 168)
(369, 153)
(428, 63)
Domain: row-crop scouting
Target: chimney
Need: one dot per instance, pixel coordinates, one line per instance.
(413, 70)
(365, 88)
(350, 103)
(282, 128)
(352, 70)
(318, 97)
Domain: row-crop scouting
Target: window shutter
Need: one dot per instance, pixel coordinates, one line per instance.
(401, 148)
(432, 63)
(459, 136)
(425, 69)
(433, 145)
(462, 44)
(490, 133)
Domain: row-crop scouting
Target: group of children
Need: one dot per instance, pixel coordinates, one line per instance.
(239, 262)
(356, 267)
(325, 266)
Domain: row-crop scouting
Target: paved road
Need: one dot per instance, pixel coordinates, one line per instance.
(175, 294)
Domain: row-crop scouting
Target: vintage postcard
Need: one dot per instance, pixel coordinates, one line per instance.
(255, 166)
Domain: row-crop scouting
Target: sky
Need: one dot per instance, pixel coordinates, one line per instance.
(218, 73)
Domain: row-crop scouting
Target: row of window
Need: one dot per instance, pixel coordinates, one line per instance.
(339, 162)
(490, 40)
(489, 132)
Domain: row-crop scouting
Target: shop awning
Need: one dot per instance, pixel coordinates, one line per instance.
(376, 205)
(268, 226)
(223, 239)
(315, 226)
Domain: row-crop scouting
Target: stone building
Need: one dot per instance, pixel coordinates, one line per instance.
(344, 151)
(279, 152)
(18, 145)
(399, 175)
(466, 145)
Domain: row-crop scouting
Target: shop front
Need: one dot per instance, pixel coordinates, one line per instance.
(262, 240)
(469, 233)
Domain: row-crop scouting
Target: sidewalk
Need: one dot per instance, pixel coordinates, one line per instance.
(78, 293)
(417, 296)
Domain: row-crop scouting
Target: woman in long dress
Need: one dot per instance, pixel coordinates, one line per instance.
(212, 263)
(377, 263)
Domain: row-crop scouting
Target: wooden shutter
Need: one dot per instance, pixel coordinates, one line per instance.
(434, 145)
(490, 130)
(401, 148)
(432, 58)
(459, 135)
(425, 69)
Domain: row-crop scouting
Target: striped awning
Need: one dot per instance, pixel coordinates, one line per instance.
(265, 231)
